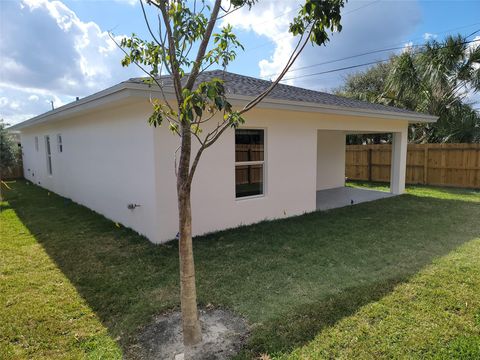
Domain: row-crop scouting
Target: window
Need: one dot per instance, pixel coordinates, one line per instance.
(36, 143)
(49, 154)
(249, 162)
(59, 143)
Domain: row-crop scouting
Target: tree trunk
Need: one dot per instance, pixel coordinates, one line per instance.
(191, 326)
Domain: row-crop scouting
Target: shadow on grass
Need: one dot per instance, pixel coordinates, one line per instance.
(301, 325)
(290, 278)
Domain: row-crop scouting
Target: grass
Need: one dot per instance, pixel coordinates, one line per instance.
(435, 315)
(398, 277)
(41, 313)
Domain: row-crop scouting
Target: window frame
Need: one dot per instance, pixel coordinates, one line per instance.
(48, 154)
(59, 143)
(249, 163)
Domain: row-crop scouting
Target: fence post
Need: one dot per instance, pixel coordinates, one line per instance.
(476, 179)
(369, 164)
(443, 164)
(425, 165)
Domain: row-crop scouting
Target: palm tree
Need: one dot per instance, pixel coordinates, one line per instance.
(436, 79)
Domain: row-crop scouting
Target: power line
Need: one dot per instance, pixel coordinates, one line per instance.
(337, 69)
(360, 55)
(359, 65)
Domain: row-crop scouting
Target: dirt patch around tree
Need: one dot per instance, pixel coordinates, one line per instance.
(223, 333)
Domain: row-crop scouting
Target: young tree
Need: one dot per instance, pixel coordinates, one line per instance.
(183, 48)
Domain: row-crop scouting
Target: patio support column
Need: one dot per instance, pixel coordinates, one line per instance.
(399, 162)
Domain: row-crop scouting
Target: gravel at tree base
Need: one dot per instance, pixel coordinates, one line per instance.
(223, 335)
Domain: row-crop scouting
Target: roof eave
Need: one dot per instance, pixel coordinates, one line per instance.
(74, 106)
(311, 106)
(339, 110)
(314, 107)
(104, 96)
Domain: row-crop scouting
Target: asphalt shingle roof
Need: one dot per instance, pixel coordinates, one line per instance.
(250, 86)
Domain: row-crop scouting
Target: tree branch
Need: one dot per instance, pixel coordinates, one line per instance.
(296, 52)
(171, 50)
(203, 46)
(148, 24)
(229, 12)
(221, 128)
(145, 71)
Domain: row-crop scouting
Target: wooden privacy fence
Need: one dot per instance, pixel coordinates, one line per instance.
(15, 172)
(248, 173)
(455, 165)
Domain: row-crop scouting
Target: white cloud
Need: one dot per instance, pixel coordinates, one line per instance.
(407, 47)
(268, 19)
(19, 104)
(428, 36)
(47, 52)
(14, 105)
(367, 26)
(6, 103)
(129, 2)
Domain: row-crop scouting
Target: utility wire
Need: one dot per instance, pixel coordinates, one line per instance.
(360, 65)
(358, 55)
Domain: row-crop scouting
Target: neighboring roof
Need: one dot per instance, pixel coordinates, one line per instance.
(250, 86)
(239, 87)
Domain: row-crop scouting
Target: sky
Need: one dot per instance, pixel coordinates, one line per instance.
(53, 51)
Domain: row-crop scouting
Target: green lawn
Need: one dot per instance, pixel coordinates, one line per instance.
(399, 277)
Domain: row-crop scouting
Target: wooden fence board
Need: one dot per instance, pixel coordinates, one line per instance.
(455, 165)
(14, 173)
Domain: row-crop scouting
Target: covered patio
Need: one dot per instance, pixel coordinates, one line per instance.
(346, 196)
(331, 191)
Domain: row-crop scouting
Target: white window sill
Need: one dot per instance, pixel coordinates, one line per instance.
(252, 197)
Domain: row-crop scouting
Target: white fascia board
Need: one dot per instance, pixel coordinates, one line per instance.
(332, 109)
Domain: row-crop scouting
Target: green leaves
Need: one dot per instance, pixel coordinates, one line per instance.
(225, 46)
(431, 79)
(320, 16)
(208, 96)
(234, 119)
(8, 149)
(434, 79)
(144, 53)
(160, 112)
(240, 3)
(184, 25)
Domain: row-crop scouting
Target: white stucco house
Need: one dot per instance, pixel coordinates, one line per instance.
(100, 152)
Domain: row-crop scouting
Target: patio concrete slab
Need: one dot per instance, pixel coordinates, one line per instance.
(346, 196)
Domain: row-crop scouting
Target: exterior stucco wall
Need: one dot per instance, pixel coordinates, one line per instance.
(291, 178)
(330, 159)
(290, 157)
(106, 163)
(112, 158)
